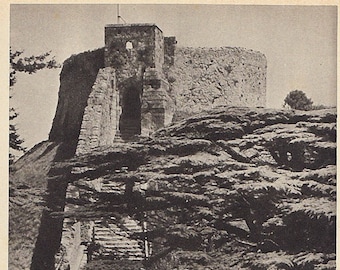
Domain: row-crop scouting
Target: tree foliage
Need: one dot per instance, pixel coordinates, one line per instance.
(255, 208)
(298, 100)
(30, 65)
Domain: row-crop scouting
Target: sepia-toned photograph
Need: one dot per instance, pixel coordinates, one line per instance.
(172, 137)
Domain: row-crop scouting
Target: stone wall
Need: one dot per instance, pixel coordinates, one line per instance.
(100, 120)
(75, 235)
(76, 79)
(157, 106)
(159, 49)
(202, 78)
(169, 50)
(157, 83)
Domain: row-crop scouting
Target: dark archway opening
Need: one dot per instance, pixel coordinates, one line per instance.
(130, 119)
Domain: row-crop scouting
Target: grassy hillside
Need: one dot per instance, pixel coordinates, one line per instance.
(28, 190)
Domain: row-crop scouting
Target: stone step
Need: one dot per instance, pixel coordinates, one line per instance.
(126, 128)
(130, 130)
(114, 184)
(122, 248)
(106, 238)
(127, 242)
(111, 232)
(122, 254)
(105, 223)
(130, 252)
(129, 221)
(110, 245)
(126, 253)
(119, 232)
(133, 225)
(118, 140)
(131, 258)
(115, 239)
(118, 243)
(110, 190)
(117, 186)
(112, 229)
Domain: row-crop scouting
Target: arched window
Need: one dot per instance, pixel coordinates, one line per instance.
(128, 45)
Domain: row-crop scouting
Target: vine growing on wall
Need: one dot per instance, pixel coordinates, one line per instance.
(118, 55)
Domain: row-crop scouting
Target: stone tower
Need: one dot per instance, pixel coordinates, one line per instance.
(130, 94)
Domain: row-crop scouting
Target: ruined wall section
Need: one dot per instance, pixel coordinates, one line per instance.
(100, 120)
(159, 49)
(136, 51)
(202, 78)
(131, 48)
(169, 51)
(76, 79)
(155, 80)
(157, 106)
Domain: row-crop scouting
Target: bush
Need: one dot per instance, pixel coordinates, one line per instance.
(298, 100)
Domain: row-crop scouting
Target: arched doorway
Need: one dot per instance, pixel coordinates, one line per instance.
(130, 119)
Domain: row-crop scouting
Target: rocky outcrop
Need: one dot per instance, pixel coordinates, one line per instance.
(233, 188)
(226, 182)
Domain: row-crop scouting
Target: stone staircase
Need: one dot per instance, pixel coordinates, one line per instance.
(118, 138)
(114, 238)
(129, 129)
(117, 188)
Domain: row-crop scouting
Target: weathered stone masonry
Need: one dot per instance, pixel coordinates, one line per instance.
(130, 95)
(76, 80)
(141, 82)
(100, 120)
(202, 78)
(137, 54)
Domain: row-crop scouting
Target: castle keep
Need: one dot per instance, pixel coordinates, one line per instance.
(141, 82)
(130, 94)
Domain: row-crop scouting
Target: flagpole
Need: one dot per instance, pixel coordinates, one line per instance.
(118, 13)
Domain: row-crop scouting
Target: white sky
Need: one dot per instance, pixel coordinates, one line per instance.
(298, 41)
